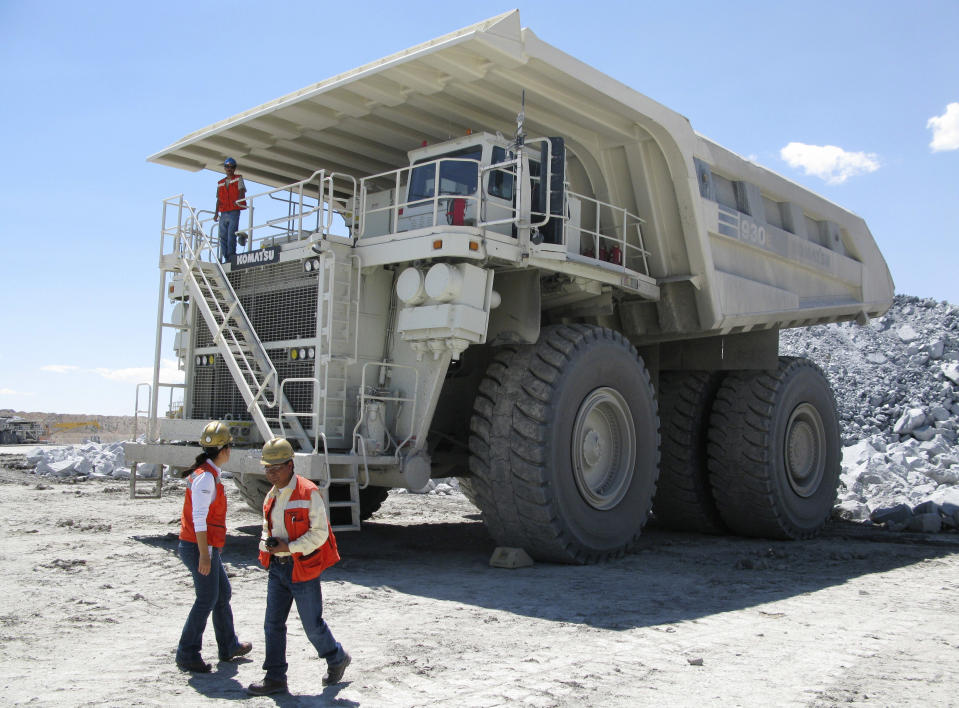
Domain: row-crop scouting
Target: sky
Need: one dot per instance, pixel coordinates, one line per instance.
(856, 100)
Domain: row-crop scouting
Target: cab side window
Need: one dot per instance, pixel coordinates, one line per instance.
(501, 181)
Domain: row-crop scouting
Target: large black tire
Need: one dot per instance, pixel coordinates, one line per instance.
(253, 489)
(774, 450)
(565, 445)
(684, 497)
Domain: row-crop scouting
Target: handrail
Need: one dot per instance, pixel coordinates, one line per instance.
(628, 221)
(363, 396)
(366, 467)
(479, 196)
(399, 183)
(324, 205)
(326, 463)
(314, 415)
(301, 206)
(358, 291)
(137, 411)
(193, 255)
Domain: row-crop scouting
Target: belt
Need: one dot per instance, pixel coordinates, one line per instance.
(283, 560)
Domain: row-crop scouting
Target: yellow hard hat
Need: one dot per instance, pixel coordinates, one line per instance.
(276, 452)
(215, 434)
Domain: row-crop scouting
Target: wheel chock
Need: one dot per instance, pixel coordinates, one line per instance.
(506, 557)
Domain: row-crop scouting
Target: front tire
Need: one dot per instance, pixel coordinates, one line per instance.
(774, 450)
(565, 445)
(253, 489)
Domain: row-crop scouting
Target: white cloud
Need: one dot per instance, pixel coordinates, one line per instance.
(828, 162)
(945, 129)
(11, 392)
(137, 374)
(169, 373)
(60, 368)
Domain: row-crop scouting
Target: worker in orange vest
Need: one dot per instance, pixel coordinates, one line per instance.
(296, 546)
(230, 200)
(202, 537)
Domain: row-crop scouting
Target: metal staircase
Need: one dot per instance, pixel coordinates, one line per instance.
(234, 336)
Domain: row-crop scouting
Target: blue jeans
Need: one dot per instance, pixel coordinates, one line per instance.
(281, 591)
(229, 223)
(213, 594)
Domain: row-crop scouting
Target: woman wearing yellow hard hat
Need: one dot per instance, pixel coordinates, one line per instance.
(202, 537)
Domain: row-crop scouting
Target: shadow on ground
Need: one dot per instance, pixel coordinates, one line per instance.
(670, 578)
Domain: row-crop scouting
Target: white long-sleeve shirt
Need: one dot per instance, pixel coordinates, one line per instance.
(319, 527)
(202, 493)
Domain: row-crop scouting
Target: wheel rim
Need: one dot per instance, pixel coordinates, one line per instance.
(604, 448)
(805, 450)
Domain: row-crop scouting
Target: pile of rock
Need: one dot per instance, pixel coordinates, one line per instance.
(897, 391)
(89, 459)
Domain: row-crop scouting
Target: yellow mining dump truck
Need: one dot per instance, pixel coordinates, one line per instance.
(573, 304)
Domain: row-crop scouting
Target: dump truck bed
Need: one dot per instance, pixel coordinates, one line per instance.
(733, 246)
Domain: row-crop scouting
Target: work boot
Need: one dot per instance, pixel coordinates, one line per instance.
(242, 649)
(335, 671)
(267, 686)
(196, 666)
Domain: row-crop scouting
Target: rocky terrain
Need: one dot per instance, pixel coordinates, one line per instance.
(896, 382)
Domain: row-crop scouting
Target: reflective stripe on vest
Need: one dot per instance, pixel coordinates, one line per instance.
(227, 192)
(311, 565)
(215, 517)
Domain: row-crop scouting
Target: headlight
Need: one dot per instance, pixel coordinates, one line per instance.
(409, 287)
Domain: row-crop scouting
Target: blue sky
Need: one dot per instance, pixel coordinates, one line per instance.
(858, 101)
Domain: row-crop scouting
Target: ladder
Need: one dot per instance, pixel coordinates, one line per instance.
(136, 481)
(234, 336)
(339, 306)
(346, 480)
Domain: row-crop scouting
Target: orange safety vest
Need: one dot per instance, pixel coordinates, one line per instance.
(228, 193)
(296, 518)
(215, 517)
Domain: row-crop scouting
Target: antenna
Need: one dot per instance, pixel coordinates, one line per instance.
(521, 121)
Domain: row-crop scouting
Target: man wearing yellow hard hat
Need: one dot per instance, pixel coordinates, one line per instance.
(296, 546)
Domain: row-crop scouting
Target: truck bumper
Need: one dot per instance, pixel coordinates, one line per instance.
(384, 471)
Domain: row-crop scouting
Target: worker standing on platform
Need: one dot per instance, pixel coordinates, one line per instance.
(230, 195)
(296, 546)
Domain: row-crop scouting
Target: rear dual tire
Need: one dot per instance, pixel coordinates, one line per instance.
(774, 451)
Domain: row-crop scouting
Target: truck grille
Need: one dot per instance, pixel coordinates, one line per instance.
(281, 302)
(279, 299)
(215, 395)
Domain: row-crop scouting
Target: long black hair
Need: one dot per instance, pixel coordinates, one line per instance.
(209, 453)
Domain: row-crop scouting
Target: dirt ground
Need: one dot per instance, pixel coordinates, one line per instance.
(93, 597)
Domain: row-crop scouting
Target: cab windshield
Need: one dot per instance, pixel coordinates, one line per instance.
(455, 177)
